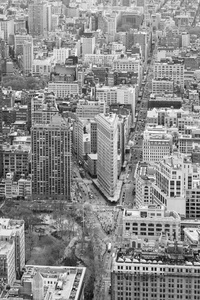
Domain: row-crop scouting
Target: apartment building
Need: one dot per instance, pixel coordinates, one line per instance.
(42, 66)
(107, 132)
(116, 94)
(192, 195)
(130, 64)
(100, 59)
(164, 271)
(126, 95)
(51, 159)
(168, 117)
(84, 137)
(186, 141)
(89, 109)
(157, 143)
(11, 229)
(43, 107)
(16, 159)
(25, 188)
(63, 89)
(61, 54)
(165, 100)
(173, 70)
(187, 119)
(162, 85)
(106, 94)
(174, 175)
(148, 223)
(145, 176)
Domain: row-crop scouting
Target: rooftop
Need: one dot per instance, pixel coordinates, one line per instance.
(5, 247)
(193, 234)
(16, 148)
(67, 281)
(151, 212)
(174, 253)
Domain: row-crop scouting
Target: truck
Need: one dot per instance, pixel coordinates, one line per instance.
(109, 247)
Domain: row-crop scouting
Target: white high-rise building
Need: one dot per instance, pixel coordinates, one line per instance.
(126, 95)
(107, 133)
(27, 60)
(88, 45)
(61, 54)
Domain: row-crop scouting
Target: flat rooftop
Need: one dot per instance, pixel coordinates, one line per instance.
(67, 281)
(193, 234)
(175, 253)
(5, 247)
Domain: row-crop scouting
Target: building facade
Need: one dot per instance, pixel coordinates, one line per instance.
(51, 159)
(107, 136)
(149, 273)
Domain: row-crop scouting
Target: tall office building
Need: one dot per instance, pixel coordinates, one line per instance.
(107, 133)
(39, 18)
(19, 40)
(51, 159)
(27, 60)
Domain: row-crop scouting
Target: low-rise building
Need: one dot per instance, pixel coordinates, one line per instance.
(47, 282)
(92, 164)
(162, 85)
(89, 109)
(192, 237)
(157, 143)
(16, 159)
(148, 223)
(63, 89)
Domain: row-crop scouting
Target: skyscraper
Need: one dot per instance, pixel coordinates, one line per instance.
(107, 134)
(51, 159)
(27, 57)
(38, 18)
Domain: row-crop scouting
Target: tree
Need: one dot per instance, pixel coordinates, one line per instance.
(18, 82)
(31, 241)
